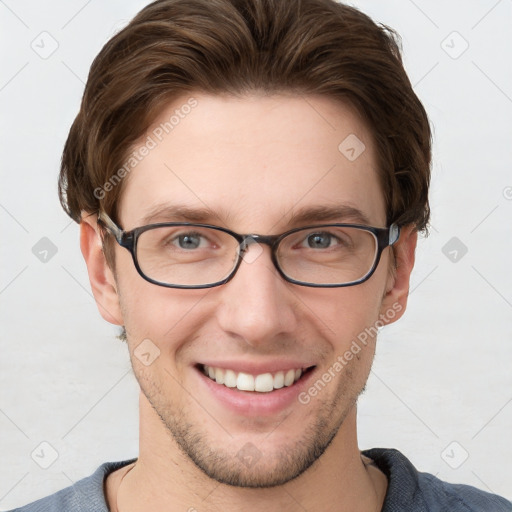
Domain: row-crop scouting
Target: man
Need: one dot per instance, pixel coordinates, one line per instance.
(250, 177)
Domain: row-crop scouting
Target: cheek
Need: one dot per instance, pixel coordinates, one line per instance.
(160, 317)
(165, 316)
(343, 314)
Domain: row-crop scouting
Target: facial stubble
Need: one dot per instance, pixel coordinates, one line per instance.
(326, 416)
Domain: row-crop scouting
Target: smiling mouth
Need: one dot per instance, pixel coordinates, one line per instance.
(262, 383)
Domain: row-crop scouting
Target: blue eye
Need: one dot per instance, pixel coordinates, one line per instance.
(189, 241)
(320, 240)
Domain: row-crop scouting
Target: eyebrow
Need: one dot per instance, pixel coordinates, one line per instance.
(301, 216)
(179, 213)
(337, 213)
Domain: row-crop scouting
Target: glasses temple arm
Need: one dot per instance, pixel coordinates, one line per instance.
(104, 219)
(394, 233)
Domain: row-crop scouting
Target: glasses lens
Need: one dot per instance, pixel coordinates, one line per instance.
(328, 254)
(186, 255)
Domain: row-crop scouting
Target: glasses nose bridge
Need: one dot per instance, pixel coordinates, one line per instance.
(249, 239)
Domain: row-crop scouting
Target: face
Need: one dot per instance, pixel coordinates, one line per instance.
(255, 164)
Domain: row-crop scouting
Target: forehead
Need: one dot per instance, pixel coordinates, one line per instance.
(254, 161)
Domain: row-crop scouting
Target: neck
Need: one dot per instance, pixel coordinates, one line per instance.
(165, 478)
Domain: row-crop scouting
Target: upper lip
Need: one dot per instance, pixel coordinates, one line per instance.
(257, 368)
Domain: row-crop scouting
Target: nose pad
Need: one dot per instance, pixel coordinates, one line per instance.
(249, 255)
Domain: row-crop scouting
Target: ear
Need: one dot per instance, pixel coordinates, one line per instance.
(101, 277)
(395, 296)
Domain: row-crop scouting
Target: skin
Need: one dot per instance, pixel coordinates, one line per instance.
(254, 161)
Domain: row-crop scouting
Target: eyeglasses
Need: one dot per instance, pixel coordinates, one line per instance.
(189, 255)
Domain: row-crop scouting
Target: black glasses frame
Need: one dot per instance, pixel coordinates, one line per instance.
(128, 239)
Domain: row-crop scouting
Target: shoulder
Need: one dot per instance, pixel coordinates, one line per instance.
(415, 491)
(460, 497)
(86, 495)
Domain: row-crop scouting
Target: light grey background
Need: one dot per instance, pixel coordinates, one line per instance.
(441, 385)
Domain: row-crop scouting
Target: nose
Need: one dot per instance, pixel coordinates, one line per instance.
(256, 305)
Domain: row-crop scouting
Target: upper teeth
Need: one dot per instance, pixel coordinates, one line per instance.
(263, 382)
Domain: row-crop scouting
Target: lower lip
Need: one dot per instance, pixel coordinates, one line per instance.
(254, 403)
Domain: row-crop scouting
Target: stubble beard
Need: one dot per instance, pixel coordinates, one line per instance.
(270, 470)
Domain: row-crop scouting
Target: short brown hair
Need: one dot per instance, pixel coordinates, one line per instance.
(319, 47)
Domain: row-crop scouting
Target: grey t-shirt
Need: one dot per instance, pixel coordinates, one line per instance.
(408, 490)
